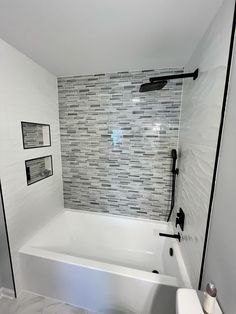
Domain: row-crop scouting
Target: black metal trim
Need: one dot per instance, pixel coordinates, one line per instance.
(175, 172)
(8, 241)
(180, 219)
(50, 139)
(231, 48)
(194, 75)
(35, 159)
(174, 236)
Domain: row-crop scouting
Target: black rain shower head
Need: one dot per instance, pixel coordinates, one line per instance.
(157, 83)
(148, 87)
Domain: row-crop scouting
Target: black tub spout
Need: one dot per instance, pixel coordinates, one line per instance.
(175, 236)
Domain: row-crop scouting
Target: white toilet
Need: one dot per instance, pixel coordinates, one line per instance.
(189, 301)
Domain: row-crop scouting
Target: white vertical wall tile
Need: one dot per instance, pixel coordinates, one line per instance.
(27, 93)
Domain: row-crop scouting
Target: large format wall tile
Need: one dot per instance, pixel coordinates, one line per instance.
(201, 107)
(116, 142)
(199, 126)
(193, 192)
(200, 118)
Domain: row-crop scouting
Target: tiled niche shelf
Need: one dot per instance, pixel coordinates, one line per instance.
(38, 169)
(35, 135)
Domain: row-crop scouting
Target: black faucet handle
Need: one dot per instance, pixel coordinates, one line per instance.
(180, 219)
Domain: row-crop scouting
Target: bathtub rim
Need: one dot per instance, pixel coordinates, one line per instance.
(152, 221)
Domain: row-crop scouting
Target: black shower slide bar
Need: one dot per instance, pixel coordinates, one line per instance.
(175, 172)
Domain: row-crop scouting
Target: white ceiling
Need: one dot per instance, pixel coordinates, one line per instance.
(71, 37)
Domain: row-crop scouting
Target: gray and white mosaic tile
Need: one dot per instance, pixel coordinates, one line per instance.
(116, 142)
(32, 135)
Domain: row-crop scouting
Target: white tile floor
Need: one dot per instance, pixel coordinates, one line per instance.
(28, 303)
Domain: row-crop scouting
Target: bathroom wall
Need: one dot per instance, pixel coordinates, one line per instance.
(27, 93)
(116, 142)
(221, 250)
(5, 269)
(200, 116)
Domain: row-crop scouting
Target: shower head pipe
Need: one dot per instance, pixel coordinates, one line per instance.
(194, 75)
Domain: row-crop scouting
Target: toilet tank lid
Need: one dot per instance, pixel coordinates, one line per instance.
(190, 301)
(187, 301)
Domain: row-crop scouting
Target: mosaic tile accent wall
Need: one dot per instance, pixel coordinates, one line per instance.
(33, 135)
(116, 142)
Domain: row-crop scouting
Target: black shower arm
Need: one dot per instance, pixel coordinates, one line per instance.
(194, 75)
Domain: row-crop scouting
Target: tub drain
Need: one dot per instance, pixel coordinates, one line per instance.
(155, 271)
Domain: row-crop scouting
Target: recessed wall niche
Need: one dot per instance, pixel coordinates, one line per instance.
(38, 169)
(35, 135)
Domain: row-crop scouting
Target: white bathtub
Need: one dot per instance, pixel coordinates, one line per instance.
(104, 263)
